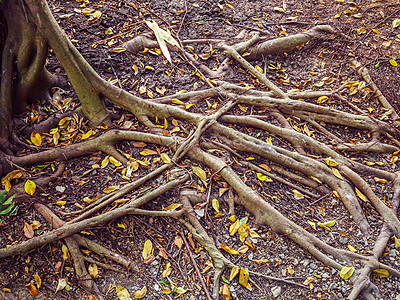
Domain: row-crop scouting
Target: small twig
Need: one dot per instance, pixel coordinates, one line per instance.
(279, 279)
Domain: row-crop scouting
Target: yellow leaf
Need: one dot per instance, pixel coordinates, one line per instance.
(165, 158)
(260, 261)
(36, 139)
(322, 99)
(147, 249)
(118, 50)
(173, 206)
(121, 225)
(361, 30)
(139, 294)
(93, 270)
(396, 23)
(178, 241)
(234, 227)
(243, 231)
(147, 152)
(242, 108)
(61, 202)
(215, 205)
(89, 200)
(115, 162)
(162, 37)
(361, 195)
(110, 189)
(380, 180)
(88, 134)
(7, 185)
(381, 272)
(166, 291)
(263, 177)
(225, 291)
(177, 101)
(243, 277)
(38, 280)
(351, 248)
(346, 272)
(259, 69)
(167, 270)
(229, 249)
(135, 69)
(105, 161)
(393, 62)
(337, 173)
(30, 187)
(250, 158)
(234, 272)
(396, 242)
(297, 195)
(199, 172)
(327, 224)
(290, 270)
(122, 293)
(65, 252)
(330, 162)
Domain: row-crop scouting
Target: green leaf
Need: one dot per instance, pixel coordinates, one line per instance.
(7, 210)
(225, 280)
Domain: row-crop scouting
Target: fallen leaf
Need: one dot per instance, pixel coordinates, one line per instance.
(330, 162)
(140, 293)
(351, 248)
(147, 249)
(36, 138)
(110, 189)
(361, 195)
(337, 173)
(93, 270)
(199, 172)
(122, 293)
(147, 152)
(38, 280)
(163, 36)
(382, 272)
(178, 241)
(28, 231)
(173, 206)
(88, 134)
(62, 283)
(346, 272)
(243, 277)
(30, 187)
(215, 205)
(32, 290)
(234, 272)
(297, 195)
(229, 249)
(167, 270)
(225, 291)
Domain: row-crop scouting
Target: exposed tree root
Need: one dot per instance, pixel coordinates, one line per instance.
(314, 168)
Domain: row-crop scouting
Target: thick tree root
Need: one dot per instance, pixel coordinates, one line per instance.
(307, 165)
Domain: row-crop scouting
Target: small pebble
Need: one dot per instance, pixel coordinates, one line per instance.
(276, 291)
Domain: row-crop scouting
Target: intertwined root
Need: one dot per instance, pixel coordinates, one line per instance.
(218, 142)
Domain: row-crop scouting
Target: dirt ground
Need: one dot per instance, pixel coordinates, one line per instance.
(303, 69)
